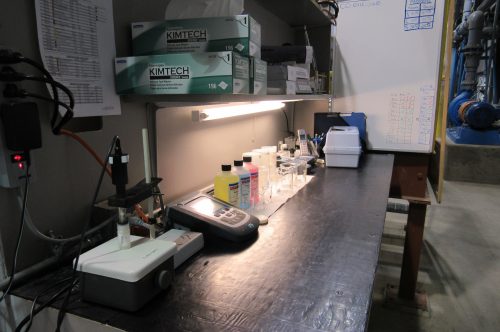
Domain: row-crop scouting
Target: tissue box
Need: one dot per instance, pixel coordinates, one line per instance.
(281, 87)
(284, 72)
(303, 86)
(258, 76)
(342, 147)
(240, 33)
(183, 73)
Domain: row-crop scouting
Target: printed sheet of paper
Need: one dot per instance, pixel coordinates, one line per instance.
(77, 45)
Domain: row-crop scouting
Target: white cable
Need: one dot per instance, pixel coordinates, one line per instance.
(32, 227)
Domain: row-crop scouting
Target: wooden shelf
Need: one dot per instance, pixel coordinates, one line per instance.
(297, 12)
(162, 101)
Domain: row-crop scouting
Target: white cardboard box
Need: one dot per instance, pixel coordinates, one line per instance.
(283, 72)
(281, 87)
(342, 147)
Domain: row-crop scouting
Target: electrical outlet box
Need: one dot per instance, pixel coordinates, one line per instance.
(10, 173)
(19, 131)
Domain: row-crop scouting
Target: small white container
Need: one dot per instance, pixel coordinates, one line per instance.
(342, 147)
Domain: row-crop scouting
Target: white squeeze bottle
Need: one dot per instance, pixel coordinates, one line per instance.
(244, 183)
(254, 179)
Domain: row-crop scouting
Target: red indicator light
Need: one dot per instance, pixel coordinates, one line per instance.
(20, 165)
(17, 158)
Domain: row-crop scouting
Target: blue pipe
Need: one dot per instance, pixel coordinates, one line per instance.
(495, 96)
(480, 115)
(461, 65)
(460, 72)
(453, 72)
(454, 106)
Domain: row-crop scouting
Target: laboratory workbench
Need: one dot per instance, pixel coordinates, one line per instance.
(311, 268)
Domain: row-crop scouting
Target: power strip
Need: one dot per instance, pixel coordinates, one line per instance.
(188, 244)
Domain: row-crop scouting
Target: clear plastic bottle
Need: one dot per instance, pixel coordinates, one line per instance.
(263, 162)
(226, 186)
(272, 151)
(244, 184)
(254, 179)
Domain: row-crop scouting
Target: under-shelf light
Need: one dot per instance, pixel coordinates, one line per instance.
(236, 110)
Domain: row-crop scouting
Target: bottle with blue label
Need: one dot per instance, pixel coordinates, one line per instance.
(244, 183)
(226, 186)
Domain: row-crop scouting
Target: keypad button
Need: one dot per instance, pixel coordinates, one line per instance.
(228, 220)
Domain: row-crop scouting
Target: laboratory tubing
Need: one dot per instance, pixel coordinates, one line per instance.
(226, 186)
(244, 184)
(254, 179)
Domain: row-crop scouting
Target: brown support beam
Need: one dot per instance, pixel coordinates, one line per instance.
(409, 175)
(412, 250)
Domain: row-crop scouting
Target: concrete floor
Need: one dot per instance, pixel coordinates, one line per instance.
(460, 264)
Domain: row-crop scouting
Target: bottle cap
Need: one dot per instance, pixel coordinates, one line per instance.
(270, 148)
(238, 163)
(247, 159)
(225, 168)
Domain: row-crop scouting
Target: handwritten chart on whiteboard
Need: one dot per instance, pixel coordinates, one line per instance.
(386, 65)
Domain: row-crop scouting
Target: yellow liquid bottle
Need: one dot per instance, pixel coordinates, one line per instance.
(226, 186)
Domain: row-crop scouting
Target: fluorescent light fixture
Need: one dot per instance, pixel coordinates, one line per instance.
(236, 110)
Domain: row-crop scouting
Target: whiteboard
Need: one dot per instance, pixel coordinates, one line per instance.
(386, 64)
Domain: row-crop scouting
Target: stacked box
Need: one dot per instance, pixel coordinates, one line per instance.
(282, 76)
(281, 87)
(284, 72)
(183, 73)
(258, 76)
(302, 86)
(240, 33)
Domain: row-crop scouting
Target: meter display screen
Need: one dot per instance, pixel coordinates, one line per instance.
(205, 205)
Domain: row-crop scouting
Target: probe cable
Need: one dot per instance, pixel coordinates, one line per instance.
(287, 126)
(54, 84)
(21, 228)
(46, 304)
(69, 113)
(12, 91)
(29, 318)
(86, 146)
(62, 310)
(9, 74)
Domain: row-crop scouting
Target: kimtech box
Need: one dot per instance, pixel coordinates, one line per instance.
(258, 76)
(183, 73)
(240, 33)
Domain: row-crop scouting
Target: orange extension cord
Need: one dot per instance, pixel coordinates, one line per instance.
(86, 146)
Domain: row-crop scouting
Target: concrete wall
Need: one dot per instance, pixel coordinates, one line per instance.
(66, 175)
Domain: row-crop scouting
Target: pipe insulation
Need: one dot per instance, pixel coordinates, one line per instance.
(485, 5)
(461, 29)
(473, 49)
